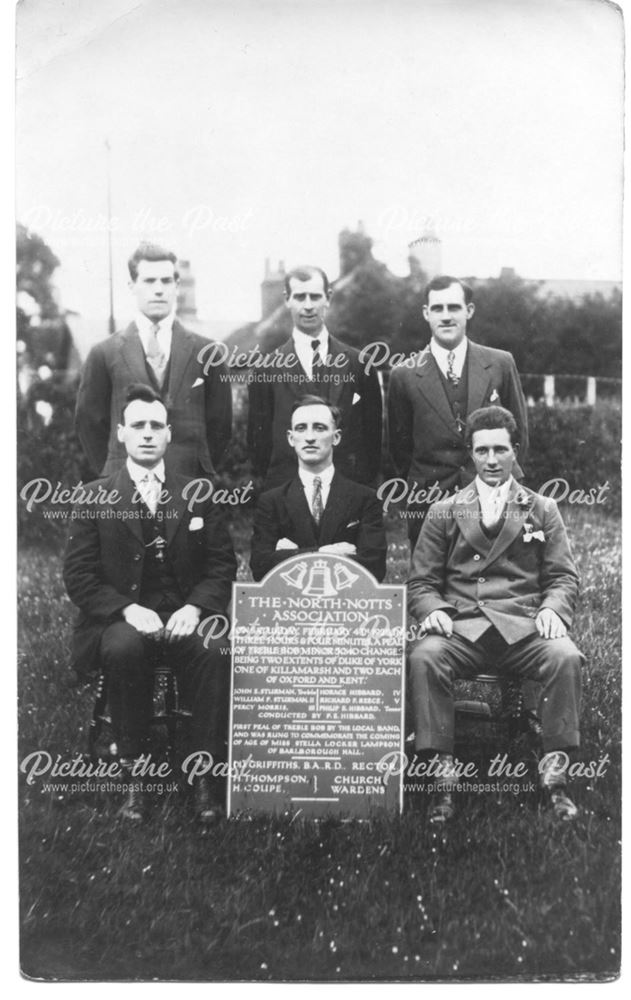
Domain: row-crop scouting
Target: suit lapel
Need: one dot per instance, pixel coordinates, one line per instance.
(182, 349)
(175, 508)
(516, 516)
(335, 511)
(133, 354)
(479, 377)
(336, 385)
(126, 488)
(430, 385)
(468, 518)
(300, 515)
(285, 351)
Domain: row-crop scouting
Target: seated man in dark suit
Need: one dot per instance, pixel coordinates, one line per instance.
(319, 510)
(493, 578)
(144, 565)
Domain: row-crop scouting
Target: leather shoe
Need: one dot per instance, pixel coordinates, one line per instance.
(441, 808)
(559, 804)
(134, 808)
(207, 801)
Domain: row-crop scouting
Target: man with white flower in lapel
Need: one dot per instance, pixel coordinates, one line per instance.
(144, 564)
(493, 578)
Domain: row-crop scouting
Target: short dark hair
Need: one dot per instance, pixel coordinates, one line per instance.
(146, 393)
(336, 413)
(489, 418)
(150, 251)
(304, 273)
(443, 281)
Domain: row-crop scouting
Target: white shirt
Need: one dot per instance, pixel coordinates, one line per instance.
(441, 356)
(145, 482)
(306, 478)
(165, 332)
(492, 499)
(304, 350)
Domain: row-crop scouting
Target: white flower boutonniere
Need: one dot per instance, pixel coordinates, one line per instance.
(196, 524)
(522, 499)
(529, 533)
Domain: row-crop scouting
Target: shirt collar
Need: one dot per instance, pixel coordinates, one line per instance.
(486, 492)
(138, 472)
(146, 325)
(440, 353)
(304, 341)
(306, 478)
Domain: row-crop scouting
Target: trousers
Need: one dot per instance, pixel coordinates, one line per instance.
(203, 672)
(435, 661)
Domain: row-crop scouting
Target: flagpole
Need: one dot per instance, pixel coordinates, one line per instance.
(111, 322)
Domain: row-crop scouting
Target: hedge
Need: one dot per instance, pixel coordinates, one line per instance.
(579, 446)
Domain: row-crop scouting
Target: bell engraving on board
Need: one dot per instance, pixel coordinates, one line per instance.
(343, 576)
(319, 583)
(295, 576)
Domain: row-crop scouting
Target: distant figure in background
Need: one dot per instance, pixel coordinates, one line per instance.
(431, 395)
(318, 510)
(313, 362)
(157, 350)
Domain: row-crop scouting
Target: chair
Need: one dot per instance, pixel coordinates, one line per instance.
(501, 708)
(167, 711)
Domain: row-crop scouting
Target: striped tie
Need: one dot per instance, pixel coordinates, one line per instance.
(317, 506)
(155, 356)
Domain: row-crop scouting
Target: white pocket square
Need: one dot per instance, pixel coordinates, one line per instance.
(196, 524)
(352, 524)
(356, 398)
(198, 381)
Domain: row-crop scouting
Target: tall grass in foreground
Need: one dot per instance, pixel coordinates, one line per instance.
(507, 894)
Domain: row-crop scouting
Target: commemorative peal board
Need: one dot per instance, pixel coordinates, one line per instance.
(317, 690)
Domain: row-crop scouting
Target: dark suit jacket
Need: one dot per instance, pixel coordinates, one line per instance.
(200, 405)
(352, 514)
(505, 580)
(104, 559)
(358, 396)
(424, 441)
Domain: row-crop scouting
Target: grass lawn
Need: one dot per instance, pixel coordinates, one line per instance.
(507, 895)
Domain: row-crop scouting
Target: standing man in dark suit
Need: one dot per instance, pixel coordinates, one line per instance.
(313, 362)
(145, 564)
(431, 395)
(493, 578)
(157, 350)
(318, 510)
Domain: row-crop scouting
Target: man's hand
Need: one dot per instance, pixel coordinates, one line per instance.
(439, 623)
(549, 625)
(182, 623)
(144, 620)
(339, 549)
(285, 543)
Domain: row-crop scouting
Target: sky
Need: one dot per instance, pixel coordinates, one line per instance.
(243, 130)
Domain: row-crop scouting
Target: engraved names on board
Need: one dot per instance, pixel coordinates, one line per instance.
(317, 689)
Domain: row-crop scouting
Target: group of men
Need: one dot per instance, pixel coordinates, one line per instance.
(492, 573)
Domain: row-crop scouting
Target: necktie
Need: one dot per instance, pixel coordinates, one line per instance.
(155, 356)
(317, 507)
(451, 375)
(316, 361)
(492, 515)
(150, 491)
